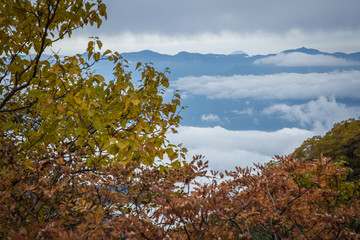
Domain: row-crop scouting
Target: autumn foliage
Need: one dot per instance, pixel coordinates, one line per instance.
(83, 157)
(291, 199)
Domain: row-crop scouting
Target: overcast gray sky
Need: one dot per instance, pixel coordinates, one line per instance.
(223, 26)
(240, 16)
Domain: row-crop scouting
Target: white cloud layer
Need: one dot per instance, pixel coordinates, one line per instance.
(225, 149)
(210, 118)
(247, 111)
(277, 86)
(321, 114)
(298, 59)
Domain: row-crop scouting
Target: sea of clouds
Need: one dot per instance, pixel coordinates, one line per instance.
(226, 149)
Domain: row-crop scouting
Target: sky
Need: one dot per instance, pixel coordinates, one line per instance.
(225, 26)
(255, 27)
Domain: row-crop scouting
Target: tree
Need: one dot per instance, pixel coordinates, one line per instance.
(59, 105)
(341, 144)
(293, 199)
(60, 121)
(78, 152)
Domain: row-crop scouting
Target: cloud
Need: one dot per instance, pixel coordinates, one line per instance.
(321, 114)
(277, 86)
(164, 16)
(247, 111)
(298, 59)
(226, 149)
(210, 118)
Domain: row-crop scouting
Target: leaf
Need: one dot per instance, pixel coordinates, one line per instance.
(122, 145)
(165, 82)
(99, 78)
(99, 44)
(102, 9)
(106, 52)
(136, 101)
(90, 46)
(96, 56)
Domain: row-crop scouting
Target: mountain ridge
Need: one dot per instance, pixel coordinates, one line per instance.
(311, 51)
(198, 64)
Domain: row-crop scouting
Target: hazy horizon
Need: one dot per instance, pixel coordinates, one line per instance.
(255, 27)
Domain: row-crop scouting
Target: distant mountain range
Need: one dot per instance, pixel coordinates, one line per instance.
(237, 63)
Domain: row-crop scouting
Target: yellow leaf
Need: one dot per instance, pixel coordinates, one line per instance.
(102, 9)
(106, 52)
(97, 56)
(135, 102)
(99, 78)
(99, 44)
(90, 45)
